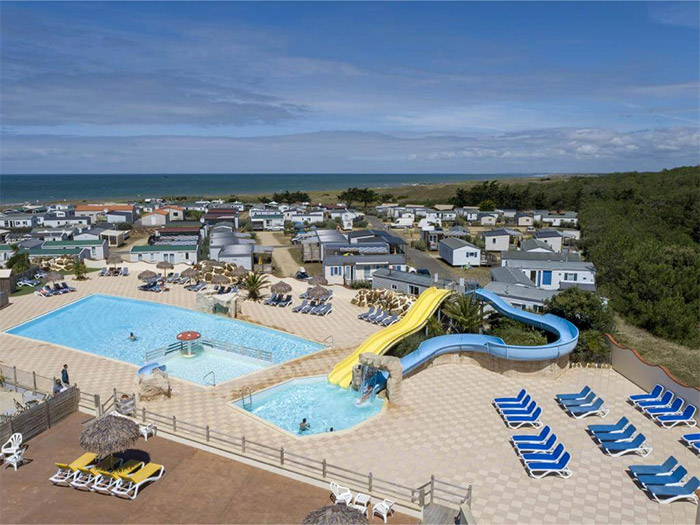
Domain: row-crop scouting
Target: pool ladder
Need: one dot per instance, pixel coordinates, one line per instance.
(247, 398)
(213, 377)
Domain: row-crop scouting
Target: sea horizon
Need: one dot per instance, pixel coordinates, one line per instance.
(17, 189)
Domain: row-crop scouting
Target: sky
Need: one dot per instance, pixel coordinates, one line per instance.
(318, 87)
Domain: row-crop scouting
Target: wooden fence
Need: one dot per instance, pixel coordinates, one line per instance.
(40, 417)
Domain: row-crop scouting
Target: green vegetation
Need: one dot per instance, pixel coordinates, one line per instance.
(515, 333)
(407, 345)
(365, 196)
(254, 283)
(466, 314)
(79, 269)
(193, 215)
(419, 245)
(18, 262)
(358, 285)
(288, 197)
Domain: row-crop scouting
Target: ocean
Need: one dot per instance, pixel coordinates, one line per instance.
(16, 189)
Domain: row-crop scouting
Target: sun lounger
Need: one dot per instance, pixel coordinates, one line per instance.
(285, 302)
(125, 272)
(667, 494)
(548, 445)
(43, 292)
(664, 468)
(86, 475)
(379, 313)
(594, 409)
(309, 307)
(691, 438)
(663, 401)
(532, 438)
(516, 399)
(672, 478)
(520, 421)
(103, 272)
(390, 320)
(300, 307)
(540, 469)
(128, 486)
(619, 448)
(65, 286)
(684, 418)
(578, 402)
(673, 408)
(367, 313)
(105, 481)
(327, 309)
(554, 455)
(620, 425)
(654, 394)
(529, 409)
(514, 406)
(625, 435)
(579, 395)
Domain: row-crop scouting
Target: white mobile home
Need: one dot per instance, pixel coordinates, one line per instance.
(172, 253)
(457, 252)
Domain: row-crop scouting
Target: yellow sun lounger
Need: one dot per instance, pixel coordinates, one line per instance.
(128, 486)
(107, 480)
(86, 475)
(66, 472)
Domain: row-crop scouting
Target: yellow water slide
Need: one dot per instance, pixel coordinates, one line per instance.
(379, 342)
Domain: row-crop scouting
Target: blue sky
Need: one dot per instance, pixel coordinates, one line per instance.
(348, 87)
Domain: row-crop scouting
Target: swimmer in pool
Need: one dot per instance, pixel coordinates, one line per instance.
(304, 425)
(132, 337)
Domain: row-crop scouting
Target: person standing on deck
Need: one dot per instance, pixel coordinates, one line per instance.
(64, 376)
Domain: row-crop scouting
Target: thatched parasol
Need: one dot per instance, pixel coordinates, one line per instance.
(239, 271)
(109, 435)
(147, 275)
(317, 292)
(189, 273)
(335, 514)
(318, 279)
(218, 278)
(53, 276)
(280, 287)
(114, 259)
(164, 265)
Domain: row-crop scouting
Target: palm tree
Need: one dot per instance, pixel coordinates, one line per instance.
(465, 313)
(254, 283)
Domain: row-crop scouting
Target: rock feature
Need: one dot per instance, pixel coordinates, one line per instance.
(397, 303)
(213, 304)
(153, 386)
(389, 364)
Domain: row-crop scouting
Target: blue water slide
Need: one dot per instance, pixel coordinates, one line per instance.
(566, 332)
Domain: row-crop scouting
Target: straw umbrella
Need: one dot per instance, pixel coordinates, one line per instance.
(336, 515)
(239, 272)
(164, 265)
(318, 280)
(53, 276)
(114, 259)
(280, 288)
(147, 275)
(317, 292)
(218, 278)
(189, 273)
(109, 435)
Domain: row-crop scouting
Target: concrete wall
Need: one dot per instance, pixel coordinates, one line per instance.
(630, 364)
(553, 368)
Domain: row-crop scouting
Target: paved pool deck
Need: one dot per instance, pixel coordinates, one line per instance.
(445, 425)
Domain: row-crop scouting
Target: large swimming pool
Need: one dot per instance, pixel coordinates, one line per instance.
(326, 407)
(101, 324)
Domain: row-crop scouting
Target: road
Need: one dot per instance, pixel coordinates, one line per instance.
(415, 258)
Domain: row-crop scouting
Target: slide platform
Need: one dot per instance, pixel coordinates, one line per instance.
(379, 342)
(567, 340)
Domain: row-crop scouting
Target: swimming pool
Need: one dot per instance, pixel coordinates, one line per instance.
(323, 404)
(101, 324)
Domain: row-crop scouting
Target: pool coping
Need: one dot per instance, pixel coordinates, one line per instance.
(137, 367)
(297, 437)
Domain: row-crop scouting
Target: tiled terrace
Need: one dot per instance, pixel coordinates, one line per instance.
(445, 425)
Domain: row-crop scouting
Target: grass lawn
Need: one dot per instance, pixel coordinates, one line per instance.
(88, 270)
(24, 290)
(682, 361)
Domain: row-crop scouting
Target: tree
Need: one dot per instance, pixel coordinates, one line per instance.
(18, 262)
(254, 283)
(487, 205)
(465, 313)
(585, 309)
(79, 269)
(515, 333)
(349, 196)
(232, 198)
(367, 197)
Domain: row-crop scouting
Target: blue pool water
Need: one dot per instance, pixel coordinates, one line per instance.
(100, 324)
(323, 404)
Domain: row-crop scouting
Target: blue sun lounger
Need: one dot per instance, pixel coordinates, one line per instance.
(546, 446)
(520, 411)
(663, 401)
(664, 468)
(532, 438)
(367, 313)
(625, 435)
(620, 448)
(568, 397)
(667, 494)
(684, 418)
(691, 438)
(654, 394)
(674, 478)
(516, 399)
(519, 421)
(554, 455)
(594, 409)
(540, 469)
(515, 406)
(620, 425)
(581, 401)
(673, 408)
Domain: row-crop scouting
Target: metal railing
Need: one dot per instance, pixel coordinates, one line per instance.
(329, 341)
(163, 351)
(213, 378)
(179, 346)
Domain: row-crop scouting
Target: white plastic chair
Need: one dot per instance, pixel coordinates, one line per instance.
(148, 430)
(340, 494)
(383, 508)
(15, 459)
(12, 445)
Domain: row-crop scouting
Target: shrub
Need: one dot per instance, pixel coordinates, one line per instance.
(419, 245)
(358, 285)
(408, 345)
(516, 333)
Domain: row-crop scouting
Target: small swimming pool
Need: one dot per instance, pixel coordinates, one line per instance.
(100, 324)
(323, 404)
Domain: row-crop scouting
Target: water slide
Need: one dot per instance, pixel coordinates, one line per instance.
(379, 342)
(567, 339)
